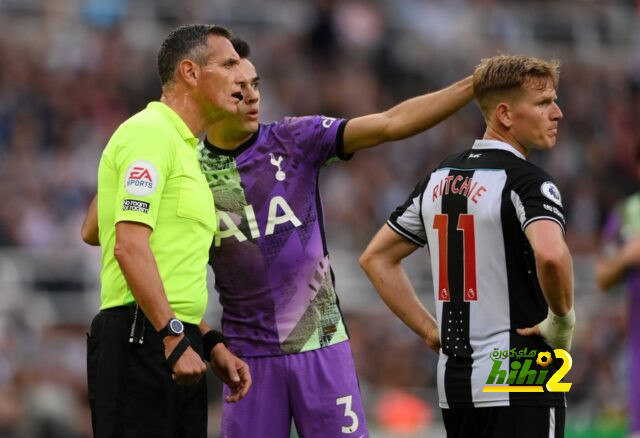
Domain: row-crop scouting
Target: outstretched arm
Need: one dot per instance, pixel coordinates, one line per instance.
(89, 230)
(610, 270)
(382, 261)
(407, 118)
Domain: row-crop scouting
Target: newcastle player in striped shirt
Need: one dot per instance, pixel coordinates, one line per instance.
(503, 275)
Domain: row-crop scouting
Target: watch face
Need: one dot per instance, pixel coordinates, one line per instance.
(176, 326)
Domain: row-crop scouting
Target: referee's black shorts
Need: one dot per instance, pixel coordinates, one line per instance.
(131, 392)
(505, 422)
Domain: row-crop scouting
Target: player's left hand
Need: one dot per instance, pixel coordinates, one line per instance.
(529, 331)
(233, 371)
(557, 331)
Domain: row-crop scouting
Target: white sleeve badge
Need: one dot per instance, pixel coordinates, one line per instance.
(327, 121)
(551, 192)
(141, 178)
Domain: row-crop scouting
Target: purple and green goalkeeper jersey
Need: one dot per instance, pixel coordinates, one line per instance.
(623, 225)
(269, 255)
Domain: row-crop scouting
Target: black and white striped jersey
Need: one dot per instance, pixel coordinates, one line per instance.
(472, 211)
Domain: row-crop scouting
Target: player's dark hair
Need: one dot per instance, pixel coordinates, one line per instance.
(188, 41)
(241, 47)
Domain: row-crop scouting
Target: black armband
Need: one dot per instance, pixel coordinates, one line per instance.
(210, 340)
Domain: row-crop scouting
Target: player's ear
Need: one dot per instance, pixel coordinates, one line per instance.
(503, 114)
(188, 71)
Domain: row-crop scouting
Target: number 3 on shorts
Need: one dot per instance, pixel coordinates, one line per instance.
(346, 401)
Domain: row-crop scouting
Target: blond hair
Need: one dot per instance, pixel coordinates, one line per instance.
(503, 76)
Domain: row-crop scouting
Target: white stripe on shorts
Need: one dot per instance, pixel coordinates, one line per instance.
(552, 422)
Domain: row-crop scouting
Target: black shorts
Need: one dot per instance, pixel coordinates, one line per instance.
(131, 392)
(504, 422)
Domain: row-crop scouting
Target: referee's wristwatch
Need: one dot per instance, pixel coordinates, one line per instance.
(173, 328)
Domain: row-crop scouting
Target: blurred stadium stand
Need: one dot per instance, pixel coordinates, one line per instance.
(72, 70)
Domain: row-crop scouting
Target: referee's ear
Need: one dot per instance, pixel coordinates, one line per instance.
(188, 71)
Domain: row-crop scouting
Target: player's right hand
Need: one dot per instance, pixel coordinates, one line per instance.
(189, 368)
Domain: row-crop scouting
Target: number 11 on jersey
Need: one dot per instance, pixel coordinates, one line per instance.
(466, 225)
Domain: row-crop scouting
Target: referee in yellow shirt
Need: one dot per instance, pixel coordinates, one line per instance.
(146, 347)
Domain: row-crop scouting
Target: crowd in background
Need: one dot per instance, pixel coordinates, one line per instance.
(72, 70)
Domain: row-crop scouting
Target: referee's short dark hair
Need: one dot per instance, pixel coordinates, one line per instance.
(188, 41)
(241, 47)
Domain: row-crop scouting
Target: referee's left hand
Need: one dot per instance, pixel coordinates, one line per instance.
(233, 371)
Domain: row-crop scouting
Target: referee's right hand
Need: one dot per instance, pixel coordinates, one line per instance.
(189, 367)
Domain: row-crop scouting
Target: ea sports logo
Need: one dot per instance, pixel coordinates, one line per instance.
(141, 178)
(141, 173)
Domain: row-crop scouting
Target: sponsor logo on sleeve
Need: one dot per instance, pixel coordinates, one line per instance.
(554, 210)
(141, 178)
(327, 121)
(135, 205)
(552, 193)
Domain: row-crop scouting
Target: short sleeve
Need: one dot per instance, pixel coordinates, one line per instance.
(142, 165)
(406, 219)
(535, 196)
(320, 137)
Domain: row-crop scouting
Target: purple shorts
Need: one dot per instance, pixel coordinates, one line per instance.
(634, 390)
(318, 389)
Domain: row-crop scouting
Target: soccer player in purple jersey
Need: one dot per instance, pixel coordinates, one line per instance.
(621, 262)
(271, 264)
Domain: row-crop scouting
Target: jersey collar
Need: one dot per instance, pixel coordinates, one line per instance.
(176, 121)
(497, 144)
(233, 152)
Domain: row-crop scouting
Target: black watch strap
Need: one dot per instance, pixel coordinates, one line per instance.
(177, 352)
(210, 340)
(173, 328)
